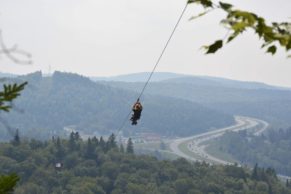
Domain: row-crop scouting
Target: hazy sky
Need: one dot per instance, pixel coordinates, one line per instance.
(104, 38)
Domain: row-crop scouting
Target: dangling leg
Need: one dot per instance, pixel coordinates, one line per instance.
(132, 117)
(137, 115)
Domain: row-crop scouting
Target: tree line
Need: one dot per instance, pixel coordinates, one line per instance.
(103, 166)
(271, 149)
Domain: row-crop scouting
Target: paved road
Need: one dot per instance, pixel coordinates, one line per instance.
(197, 144)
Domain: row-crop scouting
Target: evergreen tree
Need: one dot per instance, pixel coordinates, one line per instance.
(16, 139)
(102, 143)
(77, 136)
(111, 143)
(255, 172)
(60, 149)
(95, 141)
(271, 172)
(90, 149)
(129, 147)
(72, 143)
(121, 148)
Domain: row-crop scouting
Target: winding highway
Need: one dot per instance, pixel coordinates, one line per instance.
(194, 148)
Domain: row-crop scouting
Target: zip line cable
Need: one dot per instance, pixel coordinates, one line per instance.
(164, 49)
(156, 64)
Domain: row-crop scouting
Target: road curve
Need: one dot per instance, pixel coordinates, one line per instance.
(196, 144)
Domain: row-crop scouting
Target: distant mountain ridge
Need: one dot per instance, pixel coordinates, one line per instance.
(140, 77)
(222, 82)
(7, 75)
(176, 78)
(51, 103)
(253, 99)
(190, 79)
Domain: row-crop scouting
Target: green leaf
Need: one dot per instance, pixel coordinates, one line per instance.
(232, 36)
(7, 183)
(199, 15)
(272, 49)
(204, 3)
(10, 93)
(239, 26)
(214, 47)
(265, 44)
(288, 47)
(225, 6)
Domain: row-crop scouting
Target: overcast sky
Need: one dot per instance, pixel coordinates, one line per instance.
(105, 38)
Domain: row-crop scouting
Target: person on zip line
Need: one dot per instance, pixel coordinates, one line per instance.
(137, 109)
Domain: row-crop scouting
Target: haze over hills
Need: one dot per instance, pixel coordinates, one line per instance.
(7, 75)
(184, 78)
(191, 103)
(140, 77)
(215, 81)
(176, 78)
(177, 106)
(254, 99)
(51, 103)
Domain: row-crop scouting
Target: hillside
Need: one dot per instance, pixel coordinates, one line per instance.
(218, 82)
(259, 100)
(190, 79)
(6, 75)
(139, 77)
(51, 103)
(98, 167)
(269, 150)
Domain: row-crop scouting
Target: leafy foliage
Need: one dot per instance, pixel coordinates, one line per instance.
(272, 49)
(214, 47)
(7, 183)
(105, 169)
(238, 21)
(10, 92)
(205, 3)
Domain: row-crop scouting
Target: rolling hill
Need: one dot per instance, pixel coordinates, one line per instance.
(51, 103)
(229, 96)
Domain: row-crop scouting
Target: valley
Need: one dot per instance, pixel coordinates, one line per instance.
(194, 147)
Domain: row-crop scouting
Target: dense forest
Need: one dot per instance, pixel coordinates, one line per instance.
(48, 104)
(96, 166)
(269, 150)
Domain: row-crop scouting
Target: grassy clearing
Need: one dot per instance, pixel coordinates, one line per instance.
(184, 148)
(213, 149)
(210, 150)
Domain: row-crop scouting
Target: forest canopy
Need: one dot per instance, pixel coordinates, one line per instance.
(98, 166)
